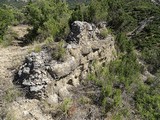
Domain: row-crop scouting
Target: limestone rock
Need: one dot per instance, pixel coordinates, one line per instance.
(52, 99)
(64, 93)
(47, 78)
(86, 50)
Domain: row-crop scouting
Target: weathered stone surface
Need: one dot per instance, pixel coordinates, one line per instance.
(52, 99)
(62, 69)
(64, 93)
(86, 50)
(46, 77)
(95, 45)
(102, 24)
(36, 88)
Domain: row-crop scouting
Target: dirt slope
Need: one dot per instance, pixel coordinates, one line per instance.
(10, 58)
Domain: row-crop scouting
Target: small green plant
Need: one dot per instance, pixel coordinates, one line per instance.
(107, 90)
(104, 32)
(66, 104)
(84, 100)
(11, 94)
(117, 116)
(49, 40)
(37, 48)
(117, 98)
(8, 37)
(59, 52)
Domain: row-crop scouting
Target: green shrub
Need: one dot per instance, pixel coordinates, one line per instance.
(8, 37)
(84, 100)
(59, 52)
(104, 32)
(37, 48)
(49, 40)
(95, 12)
(123, 43)
(66, 104)
(148, 101)
(48, 18)
(6, 18)
(124, 71)
(117, 98)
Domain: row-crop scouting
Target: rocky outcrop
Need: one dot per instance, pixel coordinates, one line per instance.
(48, 78)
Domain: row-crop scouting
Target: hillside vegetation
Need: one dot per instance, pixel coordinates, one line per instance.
(136, 27)
(15, 3)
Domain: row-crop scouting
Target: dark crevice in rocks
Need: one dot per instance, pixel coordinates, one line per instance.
(70, 82)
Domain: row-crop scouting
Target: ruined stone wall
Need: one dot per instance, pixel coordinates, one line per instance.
(51, 79)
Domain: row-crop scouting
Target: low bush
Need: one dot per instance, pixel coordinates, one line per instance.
(147, 99)
(66, 104)
(37, 48)
(104, 33)
(113, 79)
(6, 18)
(49, 18)
(59, 52)
(8, 37)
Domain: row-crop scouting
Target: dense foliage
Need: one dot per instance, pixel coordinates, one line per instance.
(9, 16)
(147, 100)
(115, 79)
(6, 18)
(16, 3)
(125, 16)
(48, 18)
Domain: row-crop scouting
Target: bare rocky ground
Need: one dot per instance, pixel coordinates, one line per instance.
(10, 59)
